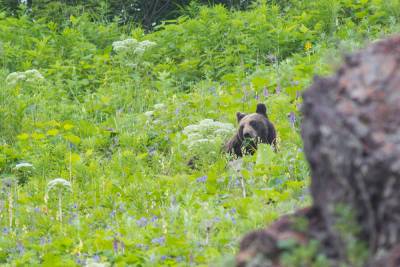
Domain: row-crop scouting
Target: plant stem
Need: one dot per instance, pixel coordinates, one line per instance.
(60, 206)
(10, 208)
(243, 186)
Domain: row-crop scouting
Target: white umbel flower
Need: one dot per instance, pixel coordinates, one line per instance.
(132, 45)
(30, 76)
(23, 165)
(207, 131)
(59, 183)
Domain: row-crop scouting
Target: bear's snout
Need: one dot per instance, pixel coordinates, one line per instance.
(249, 132)
(247, 135)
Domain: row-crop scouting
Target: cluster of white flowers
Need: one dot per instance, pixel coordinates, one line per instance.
(132, 45)
(159, 106)
(59, 183)
(207, 131)
(23, 165)
(29, 76)
(149, 114)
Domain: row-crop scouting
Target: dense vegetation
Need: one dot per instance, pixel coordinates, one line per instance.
(104, 105)
(143, 12)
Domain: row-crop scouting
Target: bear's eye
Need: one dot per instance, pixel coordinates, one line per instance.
(253, 124)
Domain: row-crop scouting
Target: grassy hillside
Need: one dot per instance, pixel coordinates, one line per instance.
(105, 109)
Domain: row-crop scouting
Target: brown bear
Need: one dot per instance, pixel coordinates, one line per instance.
(253, 129)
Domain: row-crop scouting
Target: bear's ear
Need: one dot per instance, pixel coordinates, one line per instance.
(261, 109)
(239, 116)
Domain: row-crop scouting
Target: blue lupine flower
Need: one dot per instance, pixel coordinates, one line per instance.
(213, 90)
(142, 222)
(115, 245)
(292, 119)
(159, 240)
(20, 248)
(217, 219)
(202, 179)
(154, 218)
(71, 146)
(80, 261)
(121, 207)
(265, 92)
(96, 258)
(113, 213)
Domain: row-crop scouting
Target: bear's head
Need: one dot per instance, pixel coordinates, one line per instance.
(253, 128)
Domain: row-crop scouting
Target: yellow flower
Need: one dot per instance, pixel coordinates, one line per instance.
(307, 46)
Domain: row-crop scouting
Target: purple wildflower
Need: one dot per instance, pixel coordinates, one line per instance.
(96, 258)
(37, 209)
(115, 245)
(292, 119)
(159, 240)
(80, 261)
(177, 111)
(113, 213)
(173, 201)
(230, 217)
(71, 146)
(256, 97)
(213, 90)
(154, 218)
(278, 89)
(265, 92)
(163, 258)
(6, 230)
(202, 179)
(152, 150)
(121, 207)
(43, 241)
(142, 222)
(237, 182)
(20, 248)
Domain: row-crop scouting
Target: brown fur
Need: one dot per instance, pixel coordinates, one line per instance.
(253, 128)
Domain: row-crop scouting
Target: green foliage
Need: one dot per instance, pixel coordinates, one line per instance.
(306, 255)
(111, 122)
(142, 12)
